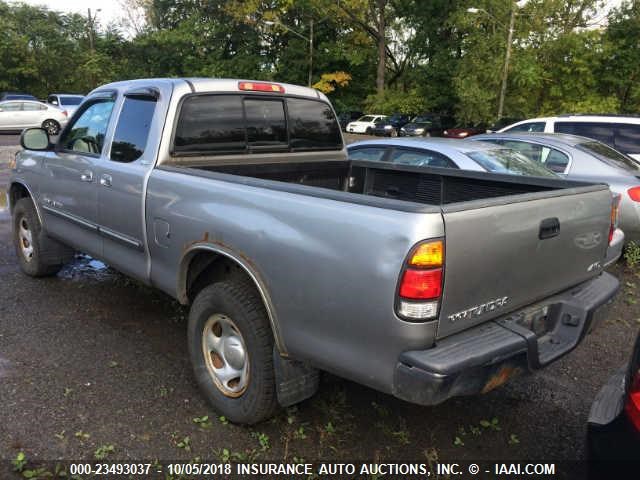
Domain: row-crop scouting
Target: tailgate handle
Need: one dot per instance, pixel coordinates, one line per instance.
(549, 227)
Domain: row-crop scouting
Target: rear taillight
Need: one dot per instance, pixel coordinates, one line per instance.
(632, 407)
(634, 194)
(615, 204)
(420, 285)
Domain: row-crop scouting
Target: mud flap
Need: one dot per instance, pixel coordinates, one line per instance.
(295, 381)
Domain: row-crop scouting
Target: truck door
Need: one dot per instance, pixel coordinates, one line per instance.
(121, 184)
(69, 193)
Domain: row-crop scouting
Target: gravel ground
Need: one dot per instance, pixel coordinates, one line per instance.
(90, 359)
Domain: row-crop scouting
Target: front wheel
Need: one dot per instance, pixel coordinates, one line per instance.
(51, 126)
(231, 349)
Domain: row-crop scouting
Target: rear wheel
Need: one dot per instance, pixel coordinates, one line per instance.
(38, 254)
(51, 126)
(231, 349)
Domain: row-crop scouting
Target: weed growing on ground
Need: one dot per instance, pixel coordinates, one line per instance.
(632, 255)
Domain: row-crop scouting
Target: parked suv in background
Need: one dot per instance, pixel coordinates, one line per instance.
(619, 131)
(365, 124)
(65, 101)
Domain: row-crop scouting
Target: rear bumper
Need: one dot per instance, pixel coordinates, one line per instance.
(482, 358)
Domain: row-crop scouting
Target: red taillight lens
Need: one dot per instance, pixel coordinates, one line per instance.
(634, 194)
(421, 284)
(632, 407)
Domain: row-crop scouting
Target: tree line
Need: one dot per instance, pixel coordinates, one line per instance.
(408, 56)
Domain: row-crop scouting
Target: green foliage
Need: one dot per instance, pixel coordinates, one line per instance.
(393, 101)
(632, 254)
(438, 56)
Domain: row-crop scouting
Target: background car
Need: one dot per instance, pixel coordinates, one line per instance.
(580, 158)
(344, 118)
(425, 125)
(365, 124)
(390, 126)
(618, 131)
(16, 96)
(21, 114)
(502, 123)
(613, 428)
(461, 131)
(66, 101)
(471, 155)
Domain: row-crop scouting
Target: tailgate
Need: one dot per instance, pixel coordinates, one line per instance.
(505, 253)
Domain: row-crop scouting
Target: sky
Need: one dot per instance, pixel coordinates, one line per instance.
(109, 10)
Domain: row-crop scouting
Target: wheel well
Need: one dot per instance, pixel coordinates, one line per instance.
(16, 192)
(206, 268)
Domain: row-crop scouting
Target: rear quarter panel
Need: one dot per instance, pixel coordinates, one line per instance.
(330, 268)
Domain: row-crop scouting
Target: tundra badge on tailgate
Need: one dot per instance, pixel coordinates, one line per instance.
(479, 309)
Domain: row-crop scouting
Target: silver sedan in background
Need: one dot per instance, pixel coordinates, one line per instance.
(475, 155)
(21, 114)
(580, 158)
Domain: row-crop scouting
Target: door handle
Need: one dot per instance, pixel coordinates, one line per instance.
(105, 180)
(87, 176)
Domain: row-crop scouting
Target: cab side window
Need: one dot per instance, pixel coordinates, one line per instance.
(132, 131)
(86, 134)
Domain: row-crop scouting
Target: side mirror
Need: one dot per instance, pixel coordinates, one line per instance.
(54, 102)
(35, 139)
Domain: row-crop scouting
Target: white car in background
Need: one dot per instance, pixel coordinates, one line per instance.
(621, 132)
(21, 114)
(66, 101)
(364, 124)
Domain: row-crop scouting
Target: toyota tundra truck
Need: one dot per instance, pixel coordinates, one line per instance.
(237, 198)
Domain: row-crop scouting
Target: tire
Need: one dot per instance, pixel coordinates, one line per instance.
(229, 332)
(38, 254)
(51, 126)
(369, 131)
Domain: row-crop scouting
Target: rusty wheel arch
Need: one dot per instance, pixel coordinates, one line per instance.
(203, 264)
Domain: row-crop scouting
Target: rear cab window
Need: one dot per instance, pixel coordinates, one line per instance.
(216, 124)
(367, 153)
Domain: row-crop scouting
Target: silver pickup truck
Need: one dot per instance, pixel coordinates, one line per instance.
(237, 198)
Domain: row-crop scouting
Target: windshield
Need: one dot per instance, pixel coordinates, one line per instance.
(366, 118)
(422, 119)
(504, 160)
(71, 100)
(609, 155)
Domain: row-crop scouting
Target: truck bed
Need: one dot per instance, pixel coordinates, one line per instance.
(423, 185)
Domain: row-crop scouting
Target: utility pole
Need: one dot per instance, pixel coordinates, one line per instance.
(507, 57)
(310, 52)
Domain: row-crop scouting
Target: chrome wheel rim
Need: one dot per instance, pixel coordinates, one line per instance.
(25, 238)
(50, 127)
(225, 355)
